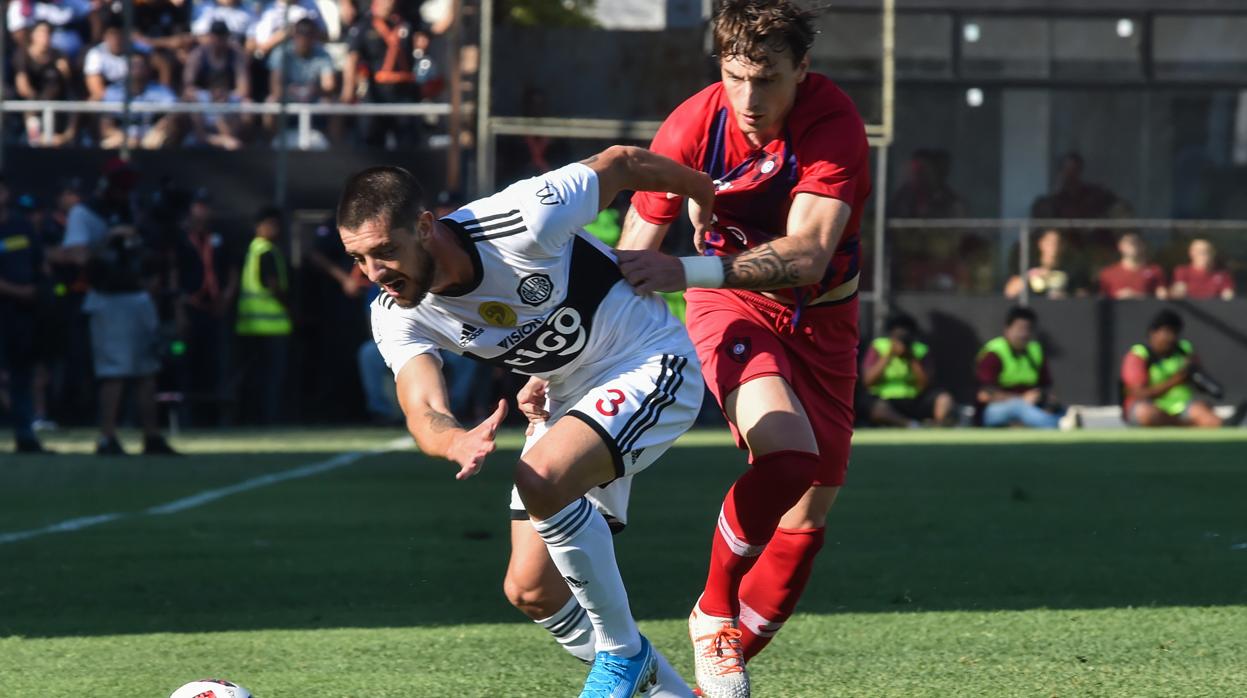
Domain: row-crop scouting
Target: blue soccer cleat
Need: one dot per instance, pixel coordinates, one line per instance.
(617, 677)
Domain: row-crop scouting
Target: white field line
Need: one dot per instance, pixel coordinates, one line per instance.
(200, 498)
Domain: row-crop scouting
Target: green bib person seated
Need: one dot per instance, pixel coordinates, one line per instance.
(897, 375)
(1015, 385)
(1156, 379)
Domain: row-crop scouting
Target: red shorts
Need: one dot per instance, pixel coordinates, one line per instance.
(741, 335)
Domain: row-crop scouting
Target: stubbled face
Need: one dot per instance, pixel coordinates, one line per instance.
(1201, 254)
(396, 259)
(762, 93)
(1163, 340)
(1019, 333)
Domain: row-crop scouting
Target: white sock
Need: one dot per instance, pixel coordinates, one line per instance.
(571, 628)
(580, 544)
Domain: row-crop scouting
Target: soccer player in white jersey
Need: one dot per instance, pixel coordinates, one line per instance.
(513, 280)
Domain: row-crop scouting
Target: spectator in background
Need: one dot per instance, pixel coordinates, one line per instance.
(145, 129)
(897, 375)
(1156, 379)
(67, 19)
(925, 193)
(100, 237)
(1075, 198)
(217, 60)
(208, 276)
(238, 19)
(303, 71)
(1200, 279)
(308, 70)
(1133, 277)
(164, 25)
(263, 326)
(276, 22)
(1054, 277)
(1014, 380)
(20, 263)
(218, 130)
(383, 43)
(105, 64)
(42, 72)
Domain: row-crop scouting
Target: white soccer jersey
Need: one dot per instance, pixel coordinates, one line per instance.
(547, 299)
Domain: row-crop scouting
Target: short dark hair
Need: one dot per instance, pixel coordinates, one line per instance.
(305, 26)
(747, 28)
(1017, 312)
(388, 193)
(268, 213)
(900, 321)
(1167, 318)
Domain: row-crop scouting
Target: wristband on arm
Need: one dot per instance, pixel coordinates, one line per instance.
(702, 272)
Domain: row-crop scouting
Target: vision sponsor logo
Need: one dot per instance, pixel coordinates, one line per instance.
(521, 332)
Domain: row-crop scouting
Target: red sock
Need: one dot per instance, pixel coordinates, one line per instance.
(751, 512)
(769, 593)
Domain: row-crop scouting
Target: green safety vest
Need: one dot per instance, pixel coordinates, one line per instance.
(1175, 400)
(259, 311)
(898, 381)
(1016, 370)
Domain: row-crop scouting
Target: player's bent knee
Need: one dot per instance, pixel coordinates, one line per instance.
(532, 598)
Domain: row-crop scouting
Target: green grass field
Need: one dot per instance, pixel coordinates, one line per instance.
(957, 564)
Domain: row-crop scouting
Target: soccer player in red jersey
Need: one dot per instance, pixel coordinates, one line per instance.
(772, 310)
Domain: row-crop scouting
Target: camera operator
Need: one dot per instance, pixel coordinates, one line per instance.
(896, 373)
(100, 235)
(1015, 385)
(1159, 379)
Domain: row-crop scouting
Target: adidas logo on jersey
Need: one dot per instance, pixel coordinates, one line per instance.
(469, 333)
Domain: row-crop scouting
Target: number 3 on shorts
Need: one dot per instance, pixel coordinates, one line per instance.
(616, 399)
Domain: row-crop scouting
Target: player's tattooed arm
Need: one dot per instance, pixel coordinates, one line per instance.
(815, 225)
(761, 268)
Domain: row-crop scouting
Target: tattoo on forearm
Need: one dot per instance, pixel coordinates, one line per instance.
(440, 421)
(589, 160)
(761, 268)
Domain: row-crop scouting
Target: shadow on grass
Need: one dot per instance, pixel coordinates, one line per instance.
(396, 541)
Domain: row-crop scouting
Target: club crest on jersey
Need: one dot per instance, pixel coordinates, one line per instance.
(535, 289)
(497, 314)
(549, 196)
(738, 349)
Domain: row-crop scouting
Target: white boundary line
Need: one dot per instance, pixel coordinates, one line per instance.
(200, 498)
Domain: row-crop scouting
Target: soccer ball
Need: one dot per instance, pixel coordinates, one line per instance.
(211, 688)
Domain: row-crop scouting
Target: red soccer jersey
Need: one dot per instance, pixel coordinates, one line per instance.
(1144, 281)
(822, 150)
(1203, 283)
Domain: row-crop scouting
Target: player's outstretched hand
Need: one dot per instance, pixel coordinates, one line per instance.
(532, 401)
(469, 450)
(650, 270)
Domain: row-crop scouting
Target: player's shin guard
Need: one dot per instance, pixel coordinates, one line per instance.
(751, 512)
(770, 592)
(580, 544)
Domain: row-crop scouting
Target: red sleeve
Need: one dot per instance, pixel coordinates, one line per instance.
(1180, 275)
(679, 139)
(1133, 371)
(832, 158)
(1107, 287)
(988, 370)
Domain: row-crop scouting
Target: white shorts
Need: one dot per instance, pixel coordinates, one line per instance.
(639, 412)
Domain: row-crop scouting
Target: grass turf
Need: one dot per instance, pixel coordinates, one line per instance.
(957, 563)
